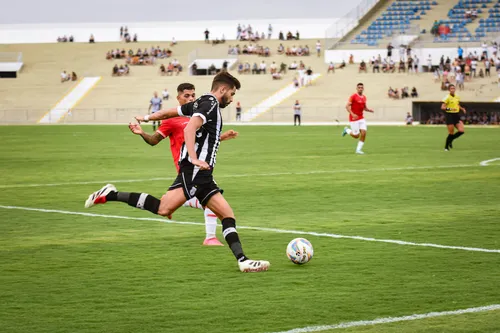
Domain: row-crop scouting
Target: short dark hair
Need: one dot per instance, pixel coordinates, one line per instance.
(185, 86)
(227, 79)
(360, 84)
(451, 85)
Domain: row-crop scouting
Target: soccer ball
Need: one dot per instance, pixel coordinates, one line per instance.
(299, 251)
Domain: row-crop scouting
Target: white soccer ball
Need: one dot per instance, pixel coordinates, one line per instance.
(299, 251)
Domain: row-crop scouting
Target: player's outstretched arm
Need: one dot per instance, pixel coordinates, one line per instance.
(368, 109)
(160, 115)
(190, 138)
(228, 135)
(151, 140)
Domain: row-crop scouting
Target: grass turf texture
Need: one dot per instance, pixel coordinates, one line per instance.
(64, 273)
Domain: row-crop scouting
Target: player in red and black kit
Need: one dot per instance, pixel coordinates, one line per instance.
(356, 105)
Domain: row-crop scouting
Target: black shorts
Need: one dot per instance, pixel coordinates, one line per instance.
(452, 118)
(202, 185)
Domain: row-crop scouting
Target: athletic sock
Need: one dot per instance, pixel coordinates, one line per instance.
(232, 239)
(457, 135)
(193, 203)
(348, 131)
(137, 200)
(360, 145)
(448, 140)
(210, 223)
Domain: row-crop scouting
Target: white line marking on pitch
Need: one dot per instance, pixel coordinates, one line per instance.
(250, 175)
(392, 319)
(281, 231)
(485, 163)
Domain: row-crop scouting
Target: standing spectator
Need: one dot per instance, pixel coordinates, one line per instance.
(281, 36)
(238, 32)
(318, 48)
(238, 111)
(309, 73)
(429, 63)
(415, 64)
(409, 119)
(402, 51)
(155, 104)
(207, 34)
(91, 39)
(73, 76)
(269, 31)
(296, 113)
(297, 35)
(121, 32)
(224, 65)
(473, 67)
(485, 51)
(460, 52)
(460, 80)
(165, 94)
(389, 50)
(487, 67)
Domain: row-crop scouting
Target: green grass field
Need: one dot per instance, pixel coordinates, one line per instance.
(83, 273)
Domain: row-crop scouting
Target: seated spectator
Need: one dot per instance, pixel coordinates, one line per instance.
(362, 67)
(109, 56)
(267, 52)
(404, 93)
(342, 65)
(170, 69)
(306, 50)
(115, 70)
(224, 65)
(308, 78)
(281, 49)
(331, 68)
(255, 69)
(127, 69)
(351, 59)
(302, 65)
(71, 39)
(240, 68)
(273, 68)
(282, 68)
(212, 70)
(91, 39)
(163, 70)
(392, 66)
(293, 66)
(174, 42)
(165, 94)
(409, 119)
(401, 67)
(414, 92)
(73, 76)
(296, 82)
(276, 76)
(393, 93)
(65, 77)
(247, 68)
(263, 67)
(481, 73)
(289, 36)
(376, 66)
(135, 38)
(194, 69)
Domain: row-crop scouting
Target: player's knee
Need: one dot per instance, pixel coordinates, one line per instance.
(164, 211)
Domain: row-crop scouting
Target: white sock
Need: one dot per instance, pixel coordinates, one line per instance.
(210, 223)
(360, 145)
(348, 131)
(193, 203)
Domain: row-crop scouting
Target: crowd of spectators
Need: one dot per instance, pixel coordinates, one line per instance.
(172, 67)
(471, 118)
(120, 70)
(66, 39)
(403, 93)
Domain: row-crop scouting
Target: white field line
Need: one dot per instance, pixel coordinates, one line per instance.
(281, 231)
(485, 163)
(387, 320)
(250, 175)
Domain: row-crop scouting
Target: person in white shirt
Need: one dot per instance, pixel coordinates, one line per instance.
(263, 67)
(294, 50)
(487, 68)
(165, 94)
(297, 108)
(402, 52)
(416, 62)
(460, 80)
(318, 48)
(429, 63)
(273, 68)
(64, 76)
(485, 50)
(473, 67)
(293, 65)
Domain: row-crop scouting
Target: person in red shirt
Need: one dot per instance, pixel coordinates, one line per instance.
(356, 105)
(173, 128)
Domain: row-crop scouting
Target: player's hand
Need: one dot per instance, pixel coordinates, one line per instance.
(465, 111)
(371, 110)
(231, 134)
(201, 164)
(140, 119)
(135, 128)
(354, 116)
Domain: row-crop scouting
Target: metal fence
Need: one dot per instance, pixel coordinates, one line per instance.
(310, 114)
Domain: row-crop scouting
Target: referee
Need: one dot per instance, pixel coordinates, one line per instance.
(451, 105)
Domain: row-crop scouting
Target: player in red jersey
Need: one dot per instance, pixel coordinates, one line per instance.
(356, 105)
(173, 128)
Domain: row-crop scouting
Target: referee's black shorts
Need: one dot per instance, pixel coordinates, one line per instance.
(202, 185)
(452, 118)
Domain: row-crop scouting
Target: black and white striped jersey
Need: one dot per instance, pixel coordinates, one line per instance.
(208, 135)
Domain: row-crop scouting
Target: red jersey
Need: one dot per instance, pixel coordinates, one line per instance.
(174, 129)
(358, 104)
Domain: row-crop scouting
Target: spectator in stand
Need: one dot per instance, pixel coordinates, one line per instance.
(170, 69)
(289, 36)
(308, 78)
(293, 65)
(297, 35)
(401, 67)
(281, 49)
(269, 31)
(64, 77)
(212, 70)
(351, 59)
(71, 39)
(376, 66)
(121, 32)
(296, 83)
(255, 69)
(115, 70)
(473, 67)
(487, 67)
(460, 52)
(273, 68)
(342, 65)
(135, 38)
(207, 34)
(240, 68)
(281, 36)
(91, 39)
(362, 67)
(282, 68)
(481, 73)
(165, 94)
(263, 67)
(408, 119)
(238, 111)
(163, 70)
(414, 93)
(276, 76)
(404, 93)
(416, 62)
(331, 68)
(318, 48)
(73, 76)
(297, 113)
(429, 64)
(224, 65)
